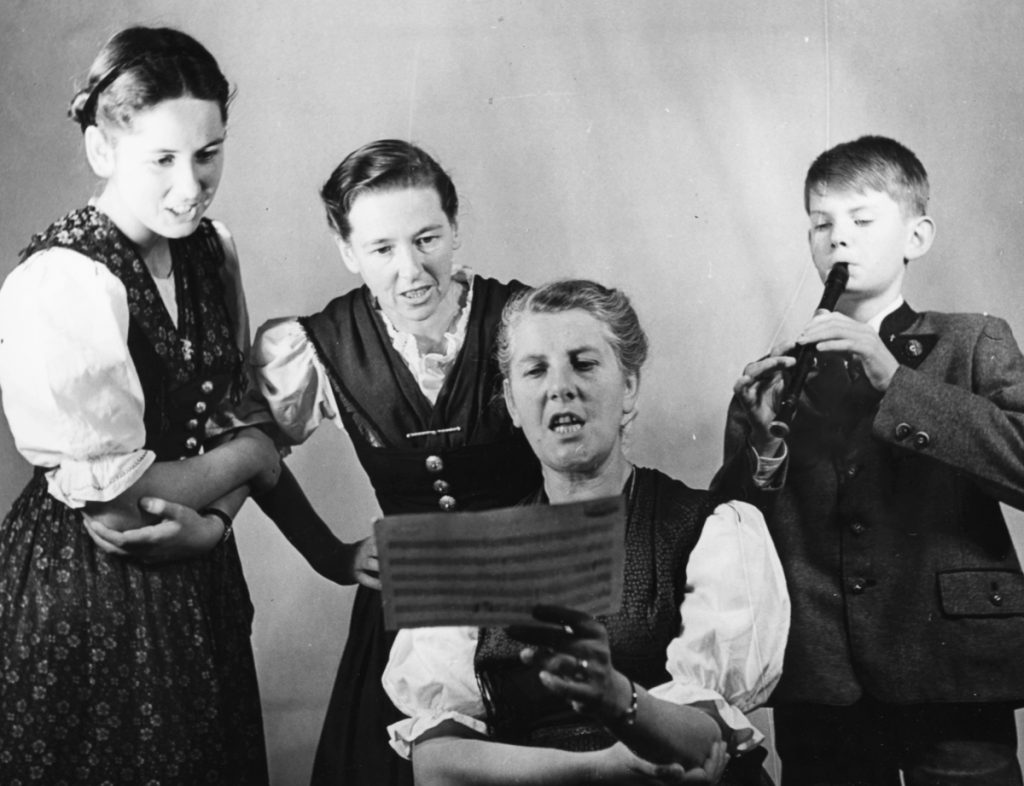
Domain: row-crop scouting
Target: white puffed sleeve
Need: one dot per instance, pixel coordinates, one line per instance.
(430, 677)
(291, 379)
(735, 621)
(70, 390)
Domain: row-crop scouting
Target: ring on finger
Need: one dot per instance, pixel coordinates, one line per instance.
(580, 674)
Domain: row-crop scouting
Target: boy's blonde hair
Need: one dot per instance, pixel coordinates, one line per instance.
(872, 162)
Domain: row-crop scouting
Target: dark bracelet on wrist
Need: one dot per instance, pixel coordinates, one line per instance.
(225, 519)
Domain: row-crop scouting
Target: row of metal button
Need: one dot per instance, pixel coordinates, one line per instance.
(445, 501)
(192, 443)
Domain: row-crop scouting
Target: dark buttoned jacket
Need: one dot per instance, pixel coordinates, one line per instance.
(904, 581)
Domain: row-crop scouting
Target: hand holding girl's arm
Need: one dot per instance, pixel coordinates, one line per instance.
(181, 532)
(250, 458)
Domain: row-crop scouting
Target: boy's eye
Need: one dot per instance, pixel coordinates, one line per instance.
(584, 364)
(427, 241)
(165, 160)
(820, 226)
(862, 222)
(381, 250)
(206, 156)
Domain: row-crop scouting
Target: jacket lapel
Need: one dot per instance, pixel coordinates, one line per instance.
(910, 349)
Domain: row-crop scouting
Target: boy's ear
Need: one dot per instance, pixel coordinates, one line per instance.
(100, 152)
(347, 256)
(920, 238)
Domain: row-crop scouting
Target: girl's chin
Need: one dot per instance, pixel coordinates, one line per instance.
(176, 229)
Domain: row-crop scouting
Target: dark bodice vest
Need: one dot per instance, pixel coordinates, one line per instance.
(664, 521)
(461, 453)
(185, 371)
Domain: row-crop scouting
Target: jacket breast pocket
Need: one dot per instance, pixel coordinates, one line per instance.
(981, 593)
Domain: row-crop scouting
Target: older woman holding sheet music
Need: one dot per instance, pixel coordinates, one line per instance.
(652, 694)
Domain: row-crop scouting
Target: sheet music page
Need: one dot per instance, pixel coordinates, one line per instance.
(491, 568)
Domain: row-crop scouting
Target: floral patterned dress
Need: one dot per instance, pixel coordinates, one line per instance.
(112, 671)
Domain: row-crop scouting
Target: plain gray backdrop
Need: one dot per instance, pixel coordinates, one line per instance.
(656, 145)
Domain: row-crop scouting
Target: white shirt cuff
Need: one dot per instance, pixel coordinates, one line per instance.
(766, 468)
(76, 482)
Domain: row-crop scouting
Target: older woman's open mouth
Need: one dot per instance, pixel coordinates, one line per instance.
(565, 423)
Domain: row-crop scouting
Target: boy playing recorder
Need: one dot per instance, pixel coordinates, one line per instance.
(907, 635)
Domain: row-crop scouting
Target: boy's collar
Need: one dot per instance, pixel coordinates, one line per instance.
(897, 322)
(876, 321)
(910, 349)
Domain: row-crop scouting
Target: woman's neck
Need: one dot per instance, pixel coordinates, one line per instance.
(158, 259)
(607, 481)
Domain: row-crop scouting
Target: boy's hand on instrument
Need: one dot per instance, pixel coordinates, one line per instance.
(833, 332)
(759, 391)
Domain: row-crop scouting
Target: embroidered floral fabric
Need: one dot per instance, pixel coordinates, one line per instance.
(203, 337)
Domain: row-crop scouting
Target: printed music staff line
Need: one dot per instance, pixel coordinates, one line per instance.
(491, 568)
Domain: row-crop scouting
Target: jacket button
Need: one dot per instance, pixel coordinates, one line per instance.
(914, 348)
(857, 586)
(852, 470)
(192, 425)
(434, 464)
(921, 440)
(191, 443)
(903, 430)
(996, 598)
(200, 407)
(446, 503)
(206, 387)
(441, 486)
(857, 528)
